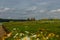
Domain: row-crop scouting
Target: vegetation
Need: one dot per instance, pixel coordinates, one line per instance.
(51, 27)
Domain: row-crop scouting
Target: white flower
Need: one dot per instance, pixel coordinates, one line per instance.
(41, 32)
(21, 34)
(14, 28)
(47, 38)
(34, 36)
(26, 31)
(15, 35)
(37, 39)
(26, 38)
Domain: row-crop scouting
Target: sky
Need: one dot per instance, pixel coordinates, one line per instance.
(22, 9)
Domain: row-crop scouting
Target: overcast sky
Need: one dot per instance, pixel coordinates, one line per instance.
(20, 9)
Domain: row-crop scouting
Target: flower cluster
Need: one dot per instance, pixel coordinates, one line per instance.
(40, 35)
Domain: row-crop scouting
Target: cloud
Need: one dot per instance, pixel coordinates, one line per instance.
(53, 11)
(44, 3)
(5, 9)
(31, 8)
(58, 10)
(42, 11)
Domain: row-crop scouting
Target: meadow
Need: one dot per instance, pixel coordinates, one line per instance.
(30, 28)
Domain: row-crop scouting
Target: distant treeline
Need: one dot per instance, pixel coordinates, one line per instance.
(8, 20)
(28, 19)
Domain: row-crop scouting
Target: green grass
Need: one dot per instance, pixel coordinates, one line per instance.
(34, 25)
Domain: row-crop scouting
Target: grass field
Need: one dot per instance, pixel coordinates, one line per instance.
(46, 26)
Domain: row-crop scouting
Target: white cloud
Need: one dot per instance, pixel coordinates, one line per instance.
(42, 11)
(9, 17)
(57, 10)
(53, 10)
(5, 9)
(44, 3)
(54, 13)
(32, 8)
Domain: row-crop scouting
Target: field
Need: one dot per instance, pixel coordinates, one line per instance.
(42, 29)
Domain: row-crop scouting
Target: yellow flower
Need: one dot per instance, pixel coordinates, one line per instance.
(51, 35)
(44, 38)
(57, 35)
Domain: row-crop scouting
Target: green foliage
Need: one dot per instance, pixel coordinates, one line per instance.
(34, 26)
